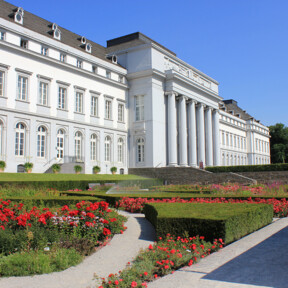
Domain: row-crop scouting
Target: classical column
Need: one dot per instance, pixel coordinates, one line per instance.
(192, 139)
(183, 151)
(172, 129)
(208, 136)
(216, 138)
(200, 133)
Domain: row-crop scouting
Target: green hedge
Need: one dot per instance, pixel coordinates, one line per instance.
(248, 168)
(211, 220)
(51, 201)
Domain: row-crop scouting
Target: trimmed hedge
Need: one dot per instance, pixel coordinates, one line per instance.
(211, 220)
(51, 201)
(248, 168)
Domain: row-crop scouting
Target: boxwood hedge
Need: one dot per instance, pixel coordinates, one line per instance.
(211, 220)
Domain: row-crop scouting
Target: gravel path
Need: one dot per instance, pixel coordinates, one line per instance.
(110, 259)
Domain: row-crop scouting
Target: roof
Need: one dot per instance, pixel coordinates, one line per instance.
(232, 105)
(42, 26)
(132, 40)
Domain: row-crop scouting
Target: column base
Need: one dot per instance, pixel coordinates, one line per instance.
(183, 165)
(172, 165)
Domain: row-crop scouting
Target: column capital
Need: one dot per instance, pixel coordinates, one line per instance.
(171, 92)
(182, 97)
(209, 108)
(199, 104)
(190, 101)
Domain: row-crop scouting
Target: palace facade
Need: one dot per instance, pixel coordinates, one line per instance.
(66, 99)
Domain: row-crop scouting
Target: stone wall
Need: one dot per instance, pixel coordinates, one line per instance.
(268, 177)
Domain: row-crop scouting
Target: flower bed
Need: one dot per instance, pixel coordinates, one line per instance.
(136, 205)
(162, 258)
(81, 228)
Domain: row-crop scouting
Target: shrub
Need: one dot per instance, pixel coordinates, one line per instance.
(227, 221)
(28, 166)
(96, 169)
(2, 165)
(56, 168)
(77, 169)
(113, 169)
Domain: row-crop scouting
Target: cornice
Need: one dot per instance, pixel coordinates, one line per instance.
(146, 73)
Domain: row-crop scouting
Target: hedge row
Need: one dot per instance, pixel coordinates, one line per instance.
(248, 168)
(211, 220)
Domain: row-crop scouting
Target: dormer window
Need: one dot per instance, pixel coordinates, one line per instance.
(19, 14)
(79, 63)
(56, 31)
(83, 40)
(24, 43)
(88, 47)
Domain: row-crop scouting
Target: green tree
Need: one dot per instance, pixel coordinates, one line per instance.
(279, 143)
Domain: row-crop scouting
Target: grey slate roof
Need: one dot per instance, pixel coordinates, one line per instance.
(231, 105)
(42, 26)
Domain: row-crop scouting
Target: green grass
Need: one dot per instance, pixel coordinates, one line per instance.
(65, 177)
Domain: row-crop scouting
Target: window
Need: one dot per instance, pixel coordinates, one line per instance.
(2, 83)
(62, 57)
(140, 150)
(79, 102)
(2, 35)
(43, 93)
(108, 109)
(62, 94)
(20, 139)
(120, 148)
(41, 142)
(108, 74)
(227, 139)
(79, 63)
(44, 51)
(121, 79)
(139, 107)
(107, 156)
(60, 144)
(24, 43)
(22, 93)
(223, 138)
(93, 147)
(78, 146)
(94, 69)
(121, 112)
(94, 105)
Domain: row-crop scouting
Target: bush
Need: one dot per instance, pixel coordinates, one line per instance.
(2, 165)
(28, 166)
(248, 168)
(113, 169)
(96, 169)
(56, 168)
(77, 169)
(227, 221)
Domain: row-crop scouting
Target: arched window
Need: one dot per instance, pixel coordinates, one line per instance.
(107, 149)
(41, 142)
(20, 139)
(78, 145)
(93, 147)
(140, 150)
(120, 148)
(60, 144)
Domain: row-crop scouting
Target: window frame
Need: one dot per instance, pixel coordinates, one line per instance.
(63, 99)
(41, 142)
(3, 84)
(20, 134)
(108, 148)
(121, 119)
(46, 81)
(139, 108)
(44, 50)
(62, 57)
(108, 112)
(79, 63)
(24, 43)
(60, 140)
(140, 150)
(94, 111)
(120, 150)
(2, 35)
(93, 147)
(19, 95)
(78, 145)
(79, 101)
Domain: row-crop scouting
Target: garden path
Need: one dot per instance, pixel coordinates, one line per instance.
(257, 260)
(110, 259)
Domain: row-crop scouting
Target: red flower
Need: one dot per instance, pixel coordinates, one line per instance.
(134, 284)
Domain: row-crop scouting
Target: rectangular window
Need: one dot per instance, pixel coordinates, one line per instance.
(24, 43)
(22, 93)
(139, 107)
(108, 109)
(108, 74)
(94, 69)
(79, 102)
(44, 51)
(43, 93)
(62, 57)
(2, 35)
(79, 63)
(62, 94)
(2, 83)
(94, 105)
(121, 112)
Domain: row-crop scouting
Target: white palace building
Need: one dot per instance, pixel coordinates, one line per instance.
(66, 99)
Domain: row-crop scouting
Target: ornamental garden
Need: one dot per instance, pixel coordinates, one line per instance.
(51, 222)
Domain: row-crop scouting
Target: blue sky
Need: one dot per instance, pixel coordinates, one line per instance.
(243, 44)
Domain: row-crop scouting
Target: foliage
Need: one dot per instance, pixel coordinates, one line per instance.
(28, 166)
(279, 143)
(228, 221)
(2, 164)
(162, 258)
(96, 169)
(248, 168)
(113, 169)
(77, 168)
(56, 168)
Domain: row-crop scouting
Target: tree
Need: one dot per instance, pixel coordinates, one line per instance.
(279, 143)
